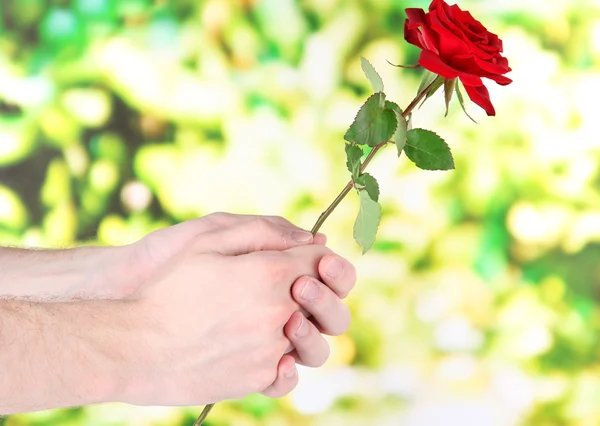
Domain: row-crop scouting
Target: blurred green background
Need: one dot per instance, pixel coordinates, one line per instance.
(478, 303)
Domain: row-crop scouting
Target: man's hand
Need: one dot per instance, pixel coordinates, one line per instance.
(209, 309)
(218, 293)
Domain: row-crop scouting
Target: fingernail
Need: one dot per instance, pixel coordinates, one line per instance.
(301, 236)
(291, 372)
(310, 290)
(335, 268)
(302, 329)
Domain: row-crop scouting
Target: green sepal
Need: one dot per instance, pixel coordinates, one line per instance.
(426, 80)
(461, 101)
(404, 66)
(437, 83)
(449, 87)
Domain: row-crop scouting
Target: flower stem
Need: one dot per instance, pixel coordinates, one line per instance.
(336, 202)
(350, 184)
(203, 415)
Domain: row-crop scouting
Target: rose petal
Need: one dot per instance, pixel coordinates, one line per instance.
(490, 67)
(475, 65)
(427, 38)
(454, 44)
(480, 96)
(435, 4)
(416, 17)
(474, 25)
(413, 35)
(449, 44)
(500, 79)
(470, 79)
(433, 63)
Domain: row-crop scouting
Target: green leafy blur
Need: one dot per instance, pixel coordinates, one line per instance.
(477, 304)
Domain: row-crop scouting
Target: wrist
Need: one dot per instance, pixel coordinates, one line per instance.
(111, 346)
(61, 354)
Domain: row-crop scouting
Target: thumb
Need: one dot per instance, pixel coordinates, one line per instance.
(258, 234)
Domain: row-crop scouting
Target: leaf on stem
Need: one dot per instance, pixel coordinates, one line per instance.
(367, 221)
(449, 86)
(428, 151)
(461, 101)
(401, 128)
(353, 156)
(373, 124)
(374, 78)
(369, 183)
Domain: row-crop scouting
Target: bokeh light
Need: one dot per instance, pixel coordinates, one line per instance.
(478, 304)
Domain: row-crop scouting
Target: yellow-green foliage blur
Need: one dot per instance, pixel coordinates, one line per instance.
(477, 304)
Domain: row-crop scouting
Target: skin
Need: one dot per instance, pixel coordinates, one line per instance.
(214, 308)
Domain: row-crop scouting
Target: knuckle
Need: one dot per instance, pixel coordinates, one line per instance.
(217, 220)
(262, 224)
(155, 248)
(264, 227)
(216, 217)
(274, 218)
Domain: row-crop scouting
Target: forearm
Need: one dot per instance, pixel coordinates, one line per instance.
(81, 273)
(59, 354)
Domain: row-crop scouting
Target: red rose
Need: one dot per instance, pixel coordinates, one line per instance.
(454, 44)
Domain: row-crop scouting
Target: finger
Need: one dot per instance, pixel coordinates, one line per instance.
(287, 378)
(338, 274)
(327, 309)
(320, 239)
(225, 220)
(303, 260)
(220, 220)
(311, 349)
(258, 234)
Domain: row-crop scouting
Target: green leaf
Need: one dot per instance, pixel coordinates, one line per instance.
(353, 156)
(428, 151)
(373, 124)
(449, 86)
(401, 128)
(367, 221)
(374, 78)
(461, 101)
(370, 184)
(393, 106)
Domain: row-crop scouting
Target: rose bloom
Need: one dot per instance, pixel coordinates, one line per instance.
(454, 44)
